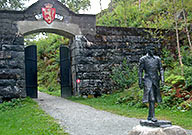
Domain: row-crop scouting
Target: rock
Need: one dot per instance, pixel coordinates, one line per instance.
(143, 130)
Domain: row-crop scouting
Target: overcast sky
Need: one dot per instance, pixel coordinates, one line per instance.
(95, 6)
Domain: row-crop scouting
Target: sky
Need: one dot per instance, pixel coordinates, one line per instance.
(95, 6)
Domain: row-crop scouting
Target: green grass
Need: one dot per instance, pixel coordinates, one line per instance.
(54, 93)
(108, 103)
(24, 117)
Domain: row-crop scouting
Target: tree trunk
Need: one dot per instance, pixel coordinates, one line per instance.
(100, 7)
(111, 6)
(187, 31)
(177, 36)
(139, 4)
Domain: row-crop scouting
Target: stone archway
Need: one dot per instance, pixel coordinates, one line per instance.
(15, 24)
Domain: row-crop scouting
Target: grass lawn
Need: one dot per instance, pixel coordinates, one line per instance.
(24, 117)
(54, 93)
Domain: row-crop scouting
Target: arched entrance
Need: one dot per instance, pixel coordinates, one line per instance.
(55, 18)
(31, 62)
(31, 71)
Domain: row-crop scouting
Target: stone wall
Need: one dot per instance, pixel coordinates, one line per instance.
(11, 61)
(98, 54)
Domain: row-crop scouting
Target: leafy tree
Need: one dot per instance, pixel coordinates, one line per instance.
(12, 4)
(74, 5)
(77, 5)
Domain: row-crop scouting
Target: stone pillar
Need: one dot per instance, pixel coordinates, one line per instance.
(75, 47)
(12, 80)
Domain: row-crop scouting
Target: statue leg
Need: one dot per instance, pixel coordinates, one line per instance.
(151, 115)
(152, 111)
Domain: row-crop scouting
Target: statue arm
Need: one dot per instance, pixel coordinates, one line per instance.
(161, 72)
(140, 72)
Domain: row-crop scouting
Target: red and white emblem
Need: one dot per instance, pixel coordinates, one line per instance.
(48, 13)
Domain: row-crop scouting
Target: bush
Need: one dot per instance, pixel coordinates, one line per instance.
(124, 75)
(167, 59)
(6, 106)
(133, 97)
(188, 77)
(186, 105)
(187, 56)
(175, 79)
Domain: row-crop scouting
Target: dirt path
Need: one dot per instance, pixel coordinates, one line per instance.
(80, 119)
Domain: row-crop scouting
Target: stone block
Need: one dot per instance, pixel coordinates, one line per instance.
(10, 92)
(3, 64)
(19, 41)
(143, 130)
(90, 83)
(11, 74)
(18, 55)
(5, 55)
(15, 64)
(93, 67)
(13, 47)
(7, 82)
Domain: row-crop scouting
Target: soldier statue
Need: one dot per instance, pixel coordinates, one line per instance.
(153, 72)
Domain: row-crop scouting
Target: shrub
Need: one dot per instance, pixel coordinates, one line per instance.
(175, 79)
(6, 106)
(132, 97)
(124, 75)
(188, 77)
(187, 56)
(167, 59)
(186, 105)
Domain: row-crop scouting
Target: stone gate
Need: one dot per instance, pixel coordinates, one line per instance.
(94, 49)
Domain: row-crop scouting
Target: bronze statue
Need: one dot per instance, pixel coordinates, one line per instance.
(153, 73)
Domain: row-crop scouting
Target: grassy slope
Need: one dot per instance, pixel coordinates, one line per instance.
(27, 118)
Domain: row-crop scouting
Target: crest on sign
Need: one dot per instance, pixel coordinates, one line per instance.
(48, 13)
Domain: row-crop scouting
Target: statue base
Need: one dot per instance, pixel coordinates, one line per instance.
(143, 130)
(159, 123)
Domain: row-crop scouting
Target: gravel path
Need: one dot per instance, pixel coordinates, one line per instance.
(80, 119)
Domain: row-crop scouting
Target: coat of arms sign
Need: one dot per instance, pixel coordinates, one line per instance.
(48, 13)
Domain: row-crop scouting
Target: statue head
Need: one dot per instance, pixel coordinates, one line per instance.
(150, 50)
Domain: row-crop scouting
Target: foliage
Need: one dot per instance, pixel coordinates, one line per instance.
(13, 104)
(24, 117)
(187, 56)
(77, 5)
(160, 14)
(74, 5)
(167, 59)
(54, 93)
(175, 79)
(133, 97)
(188, 77)
(12, 4)
(48, 60)
(124, 75)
